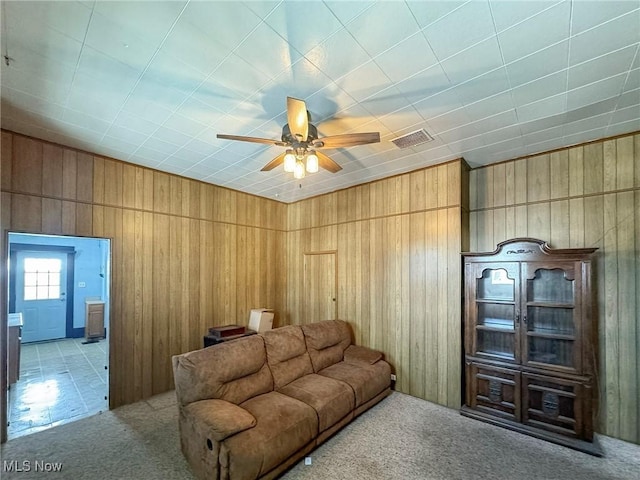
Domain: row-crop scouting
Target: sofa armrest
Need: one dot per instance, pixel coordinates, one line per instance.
(222, 418)
(363, 355)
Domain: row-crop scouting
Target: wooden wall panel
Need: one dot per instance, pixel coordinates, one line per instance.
(176, 250)
(398, 244)
(584, 196)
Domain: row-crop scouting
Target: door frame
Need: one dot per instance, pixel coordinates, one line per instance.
(14, 248)
(336, 286)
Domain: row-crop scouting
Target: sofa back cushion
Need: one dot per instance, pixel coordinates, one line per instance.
(234, 371)
(287, 355)
(326, 342)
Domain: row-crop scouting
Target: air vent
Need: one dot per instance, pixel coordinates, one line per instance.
(412, 139)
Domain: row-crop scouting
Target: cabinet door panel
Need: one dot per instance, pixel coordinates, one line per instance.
(551, 315)
(555, 404)
(492, 311)
(495, 391)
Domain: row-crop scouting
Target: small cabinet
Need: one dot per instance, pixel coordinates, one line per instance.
(94, 319)
(530, 340)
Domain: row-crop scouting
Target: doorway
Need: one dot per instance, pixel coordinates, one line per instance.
(60, 374)
(320, 280)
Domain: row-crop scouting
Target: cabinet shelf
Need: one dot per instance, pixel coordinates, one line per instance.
(550, 305)
(495, 328)
(553, 336)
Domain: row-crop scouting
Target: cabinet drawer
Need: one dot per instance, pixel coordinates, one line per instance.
(494, 390)
(557, 405)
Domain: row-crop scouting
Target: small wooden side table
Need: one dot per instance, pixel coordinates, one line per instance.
(210, 340)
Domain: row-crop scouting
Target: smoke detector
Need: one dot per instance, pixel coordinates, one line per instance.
(412, 139)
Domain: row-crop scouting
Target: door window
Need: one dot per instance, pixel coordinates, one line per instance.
(42, 278)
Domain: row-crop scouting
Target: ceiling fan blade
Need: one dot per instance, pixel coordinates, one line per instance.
(274, 163)
(347, 140)
(297, 118)
(328, 164)
(251, 139)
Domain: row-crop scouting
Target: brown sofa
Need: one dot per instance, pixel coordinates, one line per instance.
(250, 408)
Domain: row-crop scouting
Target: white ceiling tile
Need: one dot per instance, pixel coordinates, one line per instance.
(159, 145)
(538, 65)
(536, 33)
(595, 92)
(107, 70)
(541, 88)
(477, 60)
(190, 157)
(133, 122)
(125, 135)
(36, 85)
(429, 12)
(197, 112)
(587, 15)
(583, 137)
(338, 55)
(184, 125)
(510, 14)
(85, 121)
(428, 83)
(345, 12)
(448, 121)
(302, 36)
(237, 75)
(203, 148)
(407, 58)
(267, 52)
(497, 121)
(230, 22)
(31, 103)
(116, 143)
(605, 38)
(614, 129)
(472, 18)
(68, 18)
(548, 107)
(489, 106)
(124, 44)
(172, 136)
(438, 105)
(144, 107)
(166, 74)
(633, 80)
(587, 124)
(403, 121)
(484, 86)
(601, 67)
(498, 137)
(153, 19)
(150, 154)
(106, 105)
(628, 99)
(403, 25)
(365, 81)
(194, 47)
(543, 123)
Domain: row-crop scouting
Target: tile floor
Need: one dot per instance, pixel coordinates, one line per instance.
(60, 381)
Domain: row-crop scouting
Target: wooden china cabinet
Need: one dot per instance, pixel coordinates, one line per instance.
(530, 341)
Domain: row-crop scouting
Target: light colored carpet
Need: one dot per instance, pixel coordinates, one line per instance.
(401, 438)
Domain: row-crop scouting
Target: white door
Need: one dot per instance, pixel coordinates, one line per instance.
(41, 281)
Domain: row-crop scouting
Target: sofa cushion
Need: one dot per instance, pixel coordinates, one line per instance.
(367, 381)
(284, 426)
(331, 399)
(361, 355)
(287, 355)
(326, 342)
(233, 371)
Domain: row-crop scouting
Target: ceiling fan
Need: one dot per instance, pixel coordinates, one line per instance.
(301, 138)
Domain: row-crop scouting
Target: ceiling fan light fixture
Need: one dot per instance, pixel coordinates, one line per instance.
(312, 162)
(298, 171)
(289, 162)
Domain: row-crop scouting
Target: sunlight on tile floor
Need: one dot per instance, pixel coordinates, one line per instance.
(60, 381)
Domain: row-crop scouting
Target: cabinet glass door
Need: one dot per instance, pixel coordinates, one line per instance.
(496, 312)
(550, 316)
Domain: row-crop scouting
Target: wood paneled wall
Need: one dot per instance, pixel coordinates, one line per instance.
(585, 196)
(185, 255)
(398, 244)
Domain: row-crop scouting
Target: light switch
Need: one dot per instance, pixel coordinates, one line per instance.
(82, 284)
